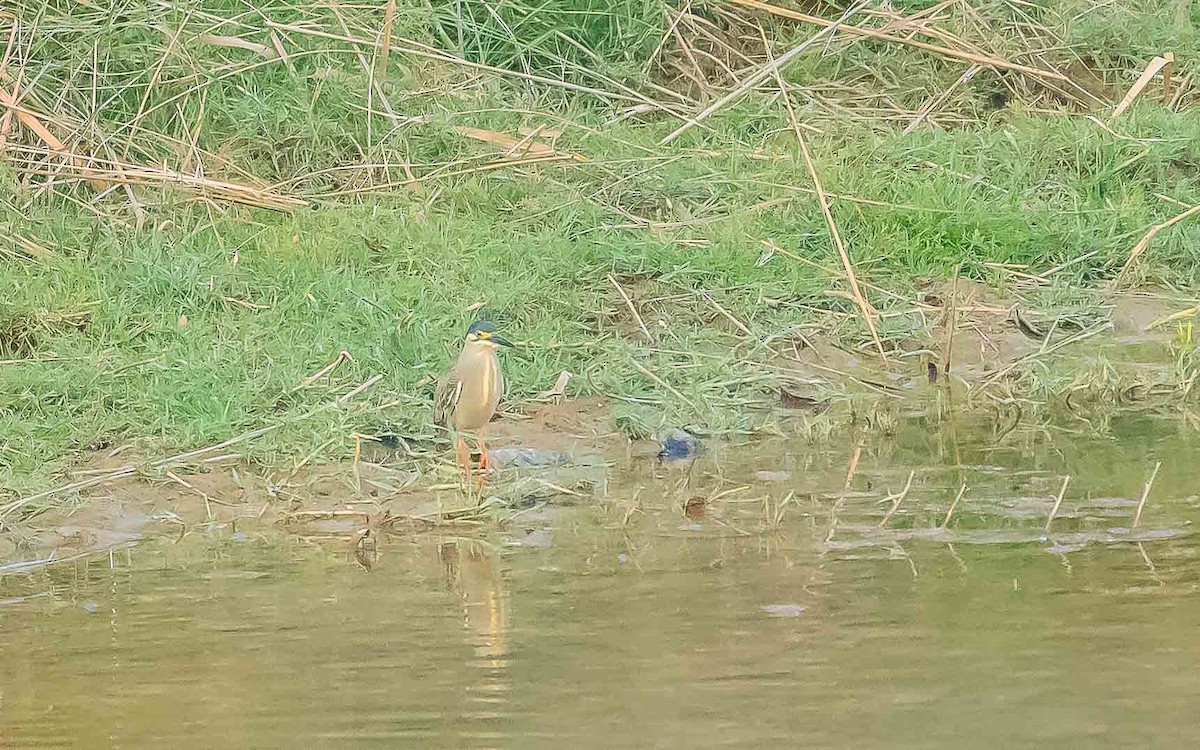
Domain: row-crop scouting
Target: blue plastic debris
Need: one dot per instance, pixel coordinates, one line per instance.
(678, 444)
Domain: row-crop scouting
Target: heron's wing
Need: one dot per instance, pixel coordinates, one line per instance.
(445, 398)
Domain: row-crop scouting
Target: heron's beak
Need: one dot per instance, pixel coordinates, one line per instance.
(500, 340)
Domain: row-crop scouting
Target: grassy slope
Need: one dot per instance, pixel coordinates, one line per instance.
(388, 276)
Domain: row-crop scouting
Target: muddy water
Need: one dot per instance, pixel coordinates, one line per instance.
(686, 609)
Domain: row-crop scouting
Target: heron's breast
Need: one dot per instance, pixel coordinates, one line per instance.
(482, 386)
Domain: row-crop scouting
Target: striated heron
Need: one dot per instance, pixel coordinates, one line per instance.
(467, 396)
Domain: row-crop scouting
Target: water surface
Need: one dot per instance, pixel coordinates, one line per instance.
(646, 620)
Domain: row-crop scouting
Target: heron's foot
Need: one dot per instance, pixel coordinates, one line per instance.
(485, 464)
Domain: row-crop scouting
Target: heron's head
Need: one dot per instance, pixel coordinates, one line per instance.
(483, 333)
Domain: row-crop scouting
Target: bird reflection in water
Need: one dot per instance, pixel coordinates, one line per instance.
(472, 570)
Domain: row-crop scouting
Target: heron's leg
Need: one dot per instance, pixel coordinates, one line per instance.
(484, 463)
(464, 457)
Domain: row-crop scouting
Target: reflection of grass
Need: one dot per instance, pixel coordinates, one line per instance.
(203, 321)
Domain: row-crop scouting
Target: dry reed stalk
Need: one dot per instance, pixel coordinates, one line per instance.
(417, 49)
(662, 43)
(208, 499)
(1184, 314)
(410, 181)
(11, 44)
(951, 324)
(1057, 503)
(988, 60)
(513, 147)
(699, 78)
(1144, 243)
(33, 121)
(674, 391)
(864, 307)
(385, 39)
(153, 82)
(236, 42)
(758, 76)
(897, 499)
(1067, 264)
(881, 388)
(26, 245)
(776, 518)
(1150, 565)
(851, 470)
(1074, 339)
(1157, 64)
(342, 357)
(823, 200)
(866, 284)
(632, 309)
(277, 43)
(1137, 516)
(304, 461)
(120, 173)
(936, 101)
(961, 491)
(6, 118)
(725, 313)
(1167, 70)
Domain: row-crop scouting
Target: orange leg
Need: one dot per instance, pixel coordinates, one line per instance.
(483, 461)
(464, 458)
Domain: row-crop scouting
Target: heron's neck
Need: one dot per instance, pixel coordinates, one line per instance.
(475, 351)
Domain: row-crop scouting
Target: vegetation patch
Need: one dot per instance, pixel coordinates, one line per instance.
(220, 219)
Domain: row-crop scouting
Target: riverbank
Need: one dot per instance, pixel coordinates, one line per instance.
(217, 225)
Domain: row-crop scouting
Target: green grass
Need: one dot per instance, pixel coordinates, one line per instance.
(388, 274)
